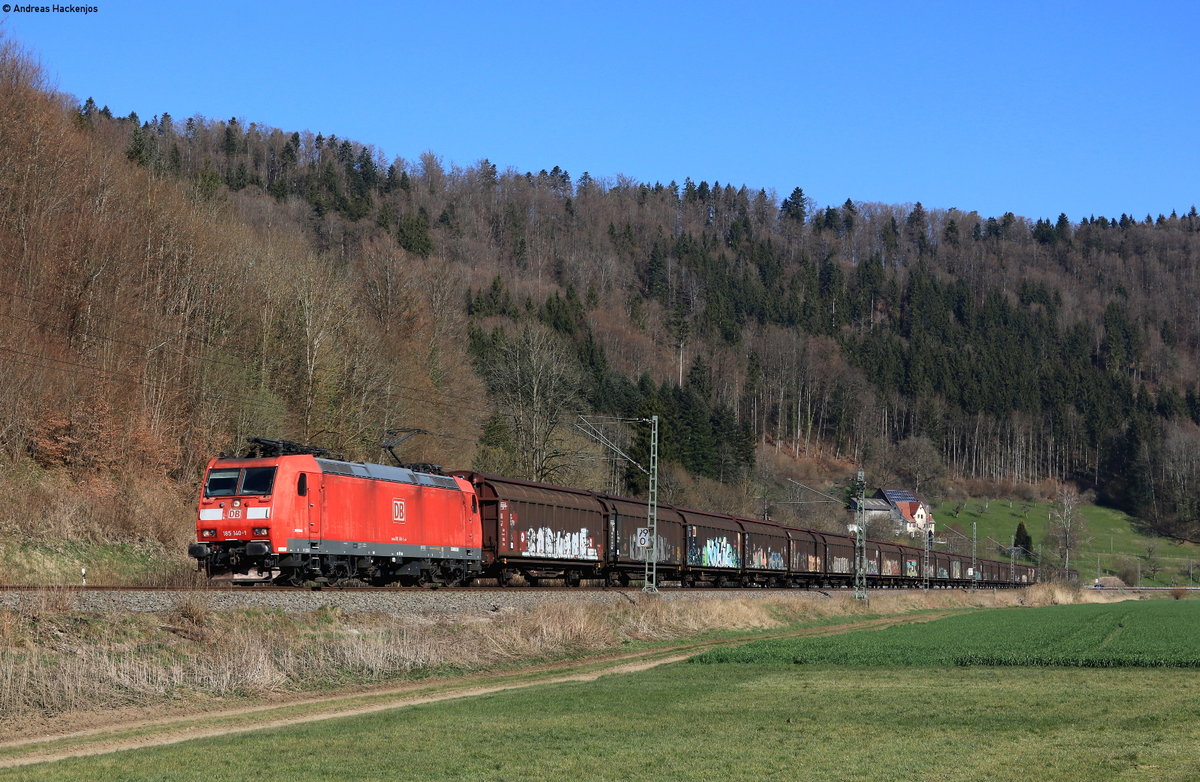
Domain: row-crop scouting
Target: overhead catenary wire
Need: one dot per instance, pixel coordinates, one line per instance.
(187, 335)
(120, 377)
(119, 341)
(454, 400)
(416, 395)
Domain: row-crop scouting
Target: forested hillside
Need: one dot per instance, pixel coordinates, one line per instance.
(170, 287)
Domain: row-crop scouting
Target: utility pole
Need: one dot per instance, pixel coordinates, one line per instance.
(970, 573)
(651, 582)
(925, 560)
(651, 556)
(999, 548)
(974, 558)
(860, 533)
(860, 542)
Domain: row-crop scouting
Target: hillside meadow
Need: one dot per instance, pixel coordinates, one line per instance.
(1112, 544)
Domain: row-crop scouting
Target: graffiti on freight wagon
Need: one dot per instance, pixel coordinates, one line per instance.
(638, 547)
(766, 559)
(806, 561)
(559, 544)
(712, 552)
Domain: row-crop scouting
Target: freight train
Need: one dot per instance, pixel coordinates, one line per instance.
(294, 515)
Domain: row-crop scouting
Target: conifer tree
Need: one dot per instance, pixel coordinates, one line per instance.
(1022, 540)
(794, 207)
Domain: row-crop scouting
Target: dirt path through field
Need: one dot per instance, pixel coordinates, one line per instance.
(117, 735)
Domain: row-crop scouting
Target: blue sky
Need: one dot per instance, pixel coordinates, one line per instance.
(1087, 108)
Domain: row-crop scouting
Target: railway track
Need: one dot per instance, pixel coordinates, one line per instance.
(459, 600)
(220, 587)
(463, 601)
(217, 587)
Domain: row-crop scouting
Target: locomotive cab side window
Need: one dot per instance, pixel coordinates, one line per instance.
(302, 485)
(221, 483)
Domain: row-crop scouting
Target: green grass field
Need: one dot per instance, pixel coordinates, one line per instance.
(766, 717)
(1110, 538)
(1133, 634)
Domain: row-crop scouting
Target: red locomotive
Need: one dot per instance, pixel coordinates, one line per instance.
(291, 514)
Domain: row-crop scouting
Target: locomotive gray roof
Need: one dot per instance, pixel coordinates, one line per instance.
(386, 472)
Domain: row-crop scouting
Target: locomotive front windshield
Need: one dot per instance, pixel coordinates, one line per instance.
(258, 480)
(227, 482)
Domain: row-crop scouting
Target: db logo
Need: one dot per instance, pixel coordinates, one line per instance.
(398, 510)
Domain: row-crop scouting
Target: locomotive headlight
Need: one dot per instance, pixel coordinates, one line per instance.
(262, 531)
(208, 533)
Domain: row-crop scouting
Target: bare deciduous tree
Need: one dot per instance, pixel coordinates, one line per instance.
(533, 380)
(1151, 564)
(1067, 530)
(321, 310)
(921, 463)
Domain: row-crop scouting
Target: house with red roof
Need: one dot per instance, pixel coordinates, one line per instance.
(910, 514)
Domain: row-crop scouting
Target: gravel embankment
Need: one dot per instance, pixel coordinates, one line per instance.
(411, 601)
